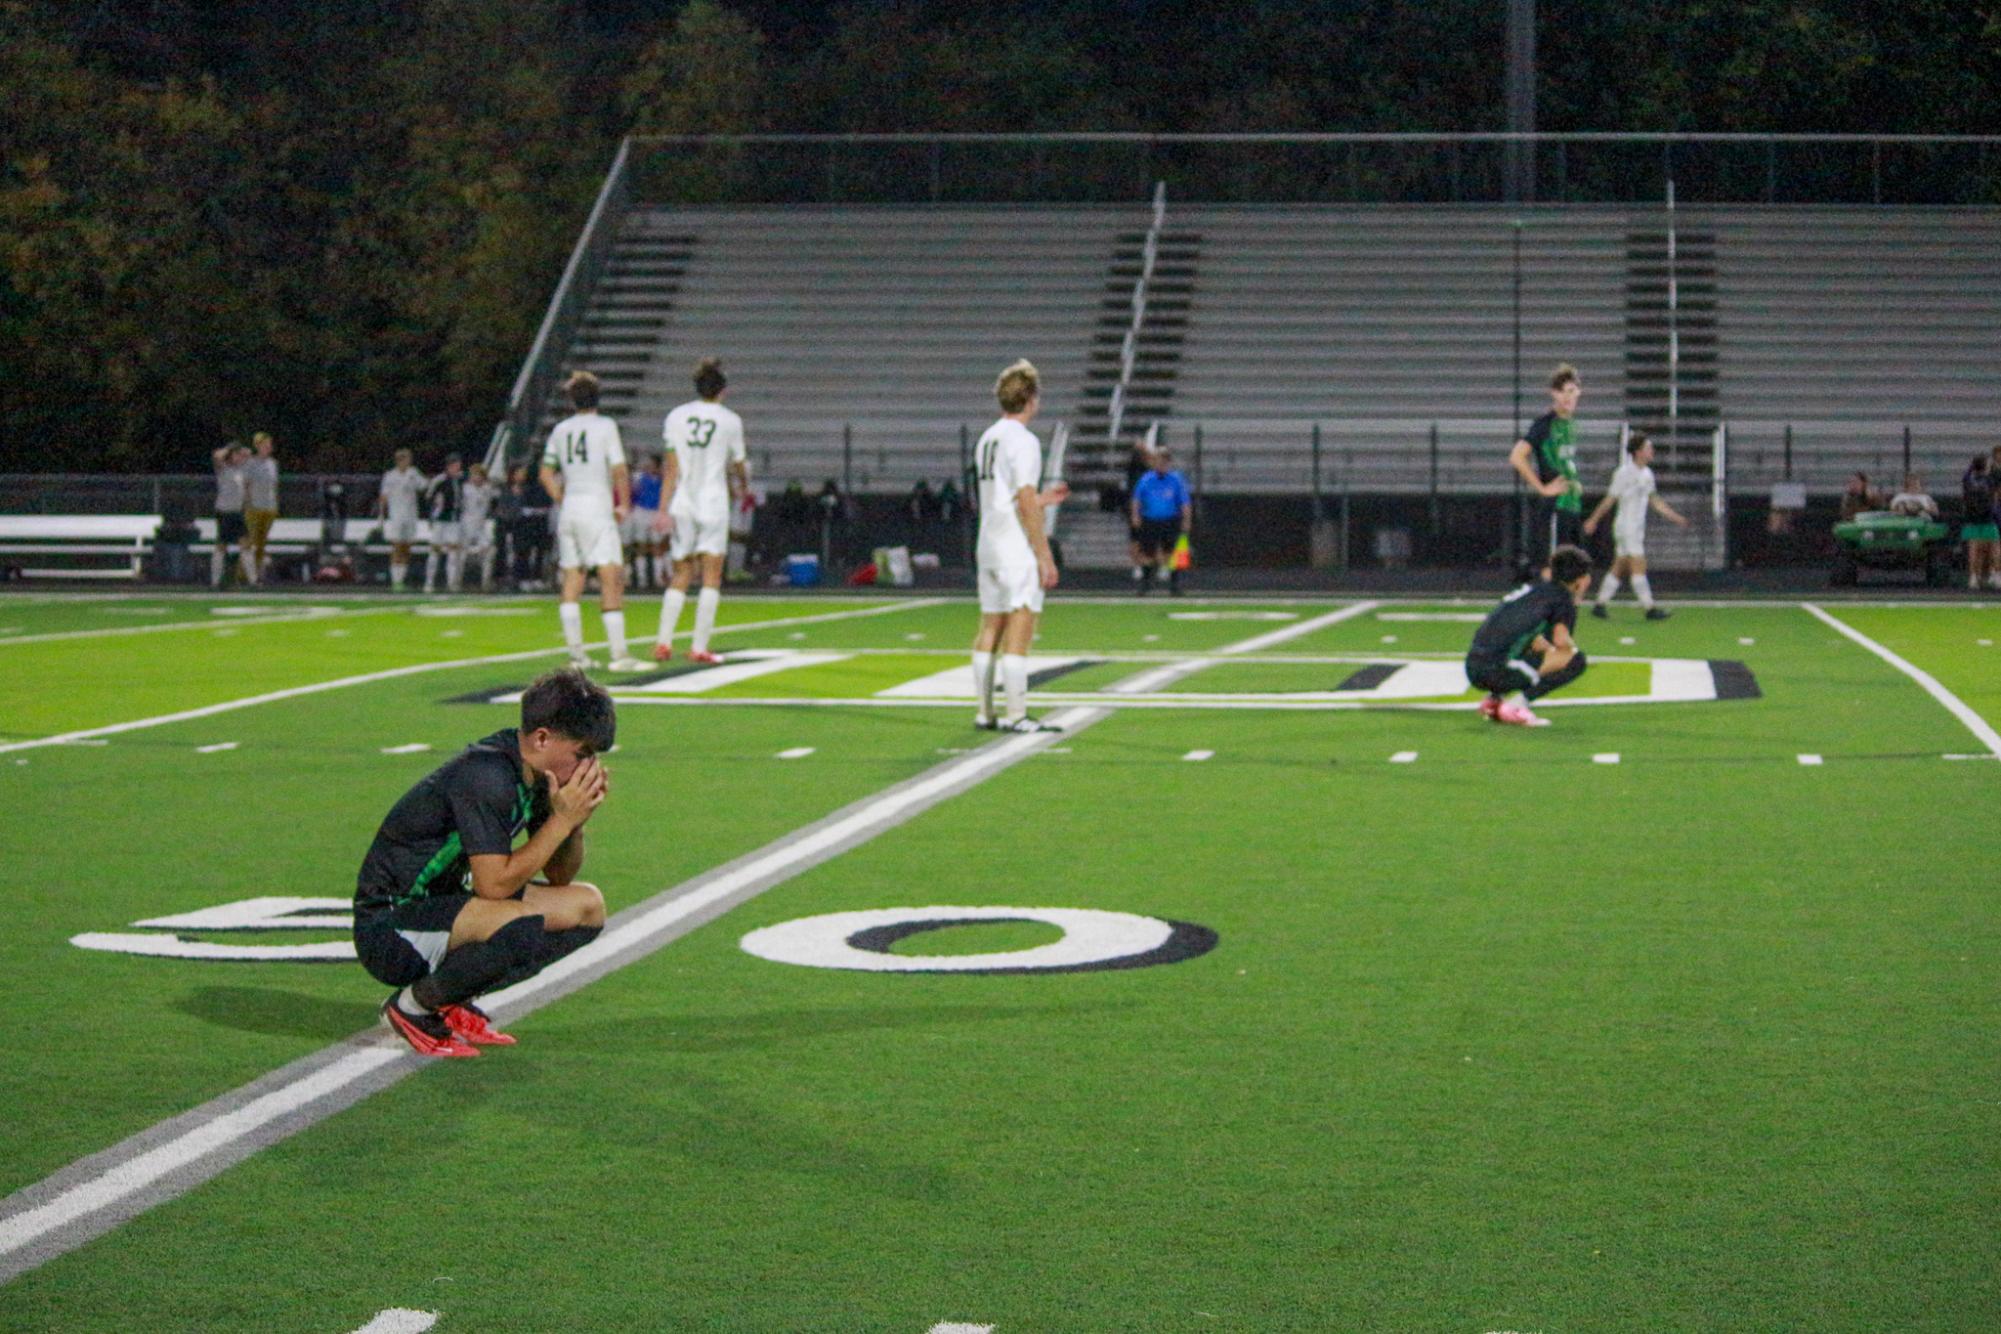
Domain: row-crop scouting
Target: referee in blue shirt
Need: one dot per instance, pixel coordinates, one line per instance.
(1160, 514)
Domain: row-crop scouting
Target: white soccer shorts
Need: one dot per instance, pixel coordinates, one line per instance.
(399, 532)
(1006, 588)
(701, 534)
(1629, 544)
(588, 541)
(444, 532)
(639, 528)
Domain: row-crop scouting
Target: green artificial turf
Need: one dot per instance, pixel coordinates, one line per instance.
(1498, 1037)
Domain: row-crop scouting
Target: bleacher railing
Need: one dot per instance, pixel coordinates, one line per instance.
(1471, 168)
(1129, 347)
(514, 436)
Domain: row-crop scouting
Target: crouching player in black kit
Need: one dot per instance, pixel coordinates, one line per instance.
(446, 907)
(1524, 649)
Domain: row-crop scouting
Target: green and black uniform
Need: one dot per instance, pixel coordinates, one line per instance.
(418, 873)
(1554, 520)
(1501, 660)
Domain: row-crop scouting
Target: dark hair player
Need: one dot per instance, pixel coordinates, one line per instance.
(1524, 649)
(446, 908)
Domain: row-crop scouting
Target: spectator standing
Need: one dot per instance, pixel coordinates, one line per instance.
(1161, 513)
(476, 503)
(396, 504)
(1546, 460)
(260, 503)
(644, 548)
(529, 539)
(1977, 524)
(443, 505)
(229, 524)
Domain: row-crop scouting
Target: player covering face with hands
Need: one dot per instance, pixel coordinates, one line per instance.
(448, 907)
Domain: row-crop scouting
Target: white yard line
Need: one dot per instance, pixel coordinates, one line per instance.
(91, 1197)
(277, 617)
(1982, 730)
(394, 673)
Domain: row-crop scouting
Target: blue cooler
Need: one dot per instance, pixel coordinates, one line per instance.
(803, 571)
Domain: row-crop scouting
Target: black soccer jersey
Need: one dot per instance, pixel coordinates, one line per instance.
(443, 498)
(1531, 610)
(1554, 440)
(472, 805)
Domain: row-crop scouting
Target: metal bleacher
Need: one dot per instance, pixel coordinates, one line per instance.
(858, 341)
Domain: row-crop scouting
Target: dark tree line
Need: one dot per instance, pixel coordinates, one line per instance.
(341, 222)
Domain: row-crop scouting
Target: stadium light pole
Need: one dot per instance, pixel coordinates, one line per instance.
(1521, 154)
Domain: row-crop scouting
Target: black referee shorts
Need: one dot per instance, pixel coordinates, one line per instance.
(1156, 537)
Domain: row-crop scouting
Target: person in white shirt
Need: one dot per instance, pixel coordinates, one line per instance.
(476, 522)
(229, 525)
(1914, 502)
(704, 467)
(1013, 558)
(396, 505)
(1633, 491)
(260, 504)
(584, 472)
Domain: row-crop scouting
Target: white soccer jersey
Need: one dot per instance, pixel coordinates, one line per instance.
(1633, 487)
(475, 508)
(706, 438)
(1009, 457)
(585, 448)
(401, 489)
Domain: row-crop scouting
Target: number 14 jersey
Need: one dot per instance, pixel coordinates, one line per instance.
(585, 448)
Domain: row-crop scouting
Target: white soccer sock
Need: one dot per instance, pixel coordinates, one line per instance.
(614, 630)
(399, 574)
(670, 613)
(218, 560)
(243, 563)
(431, 563)
(572, 616)
(706, 603)
(1139, 573)
(983, 682)
(486, 569)
(1014, 679)
(1644, 590)
(1608, 590)
(455, 570)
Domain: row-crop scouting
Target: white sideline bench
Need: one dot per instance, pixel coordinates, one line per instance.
(130, 538)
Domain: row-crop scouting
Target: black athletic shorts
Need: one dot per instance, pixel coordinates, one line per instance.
(404, 944)
(229, 527)
(1550, 528)
(1156, 537)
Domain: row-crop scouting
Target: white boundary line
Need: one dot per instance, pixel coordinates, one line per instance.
(275, 618)
(95, 1195)
(1982, 730)
(418, 669)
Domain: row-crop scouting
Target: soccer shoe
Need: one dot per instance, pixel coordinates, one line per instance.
(1519, 715)
(582, 661)
(630, 664)
(1026, 725)
(469, 1023)
(1658, 613)
(704, 657)
(663, 652)
(1490, 708)
(986, 722)
(426, 1033)
(1598, 610)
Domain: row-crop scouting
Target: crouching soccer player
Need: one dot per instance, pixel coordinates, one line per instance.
(1524, 649)
(446, 908)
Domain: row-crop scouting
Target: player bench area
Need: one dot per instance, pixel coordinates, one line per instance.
(117, 546)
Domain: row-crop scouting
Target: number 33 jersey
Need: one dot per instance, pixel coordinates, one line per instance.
(585, 449)
(706, 438)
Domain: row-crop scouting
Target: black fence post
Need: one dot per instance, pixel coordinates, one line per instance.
(969, 492)
(1437, 523)
(1789, 451)
(1907, 448)
(1319, 502)
(847, 458)
(1196, 506)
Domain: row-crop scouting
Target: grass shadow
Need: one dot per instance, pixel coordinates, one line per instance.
(757, 1030)
(277, 1012)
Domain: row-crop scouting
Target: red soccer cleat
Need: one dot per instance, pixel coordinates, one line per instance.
(704, 657)
(662, 652)
(1520, 715)
(426, 1033)
(1490, 708)
(470, 1024)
